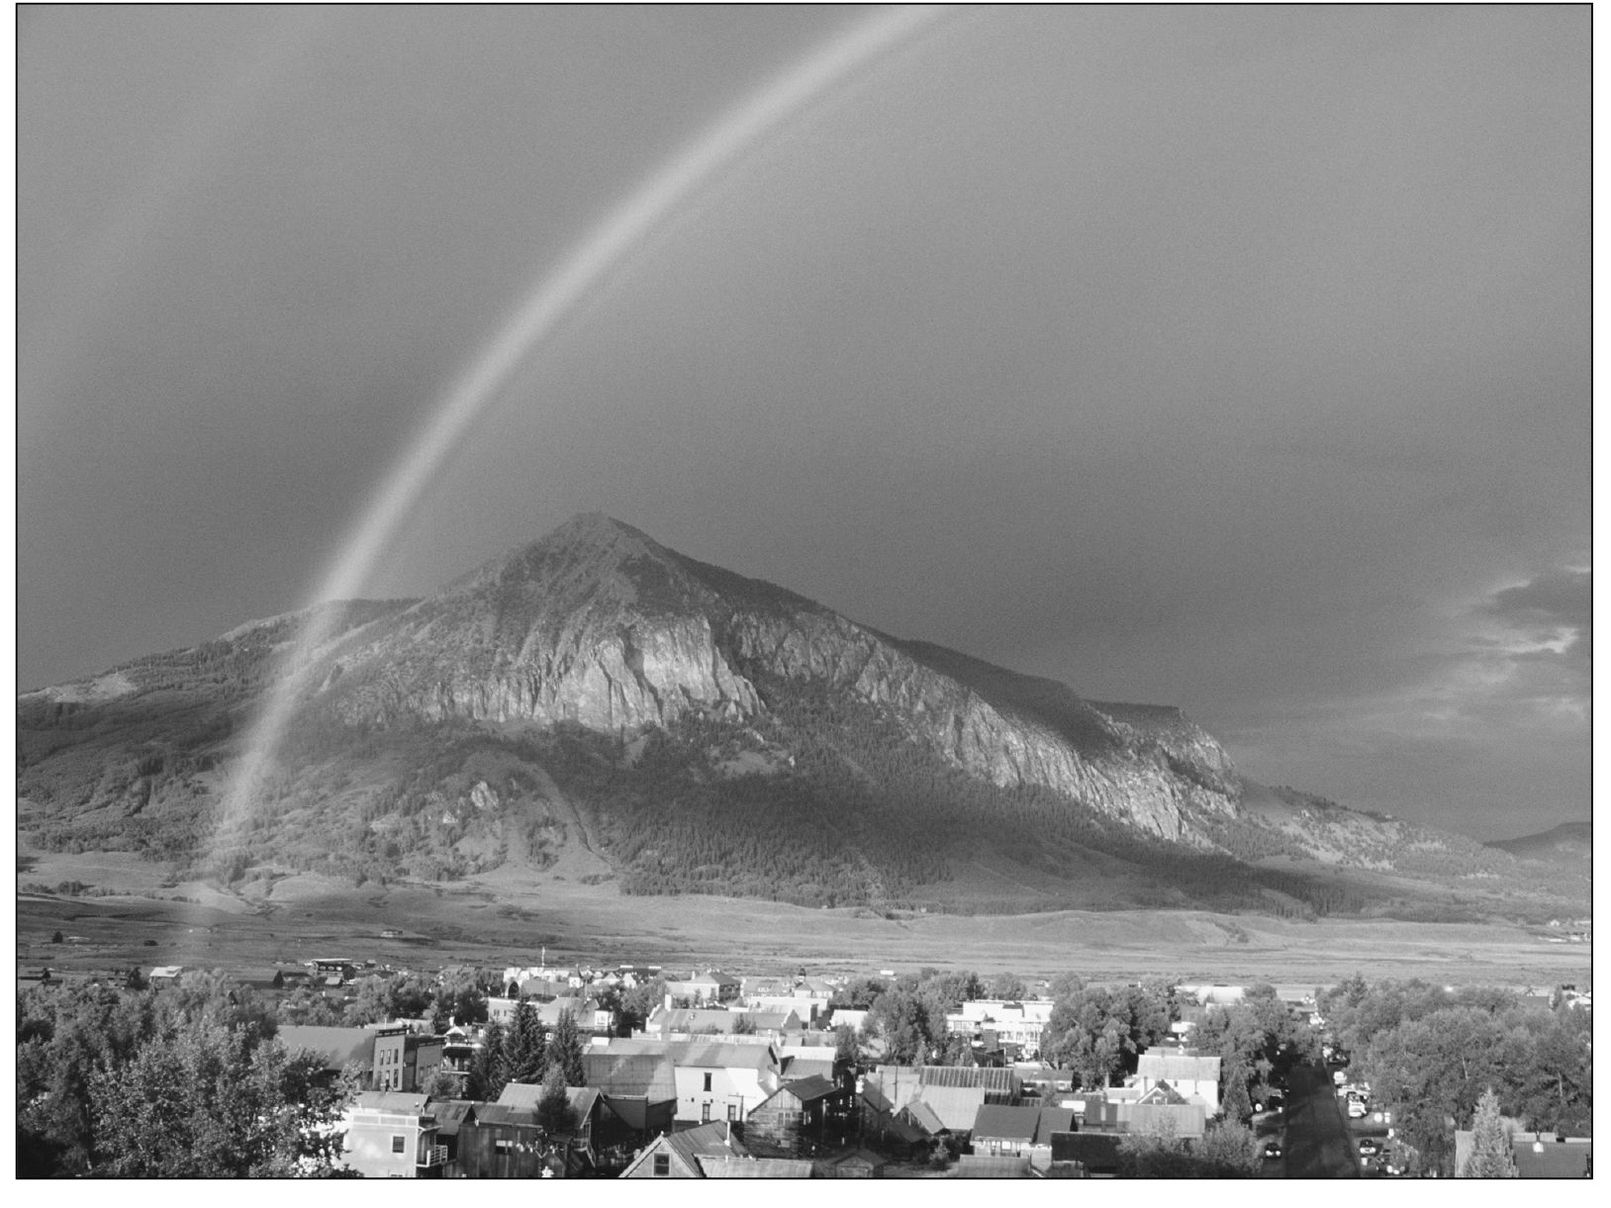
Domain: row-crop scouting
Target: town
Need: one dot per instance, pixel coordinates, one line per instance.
(639, 1071)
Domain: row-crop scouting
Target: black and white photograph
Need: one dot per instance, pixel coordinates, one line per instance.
(803, 591)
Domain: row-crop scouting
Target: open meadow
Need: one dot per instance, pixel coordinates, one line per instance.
(127, 914)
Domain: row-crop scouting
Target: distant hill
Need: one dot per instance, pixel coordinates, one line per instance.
(1570, 844)
(690, 730)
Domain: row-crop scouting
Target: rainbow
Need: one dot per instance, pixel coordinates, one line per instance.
(622, 233)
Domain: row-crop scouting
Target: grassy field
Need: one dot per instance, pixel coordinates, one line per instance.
(130, 916)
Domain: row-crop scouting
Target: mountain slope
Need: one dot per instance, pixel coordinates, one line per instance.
(699, 730)
(1569, 845)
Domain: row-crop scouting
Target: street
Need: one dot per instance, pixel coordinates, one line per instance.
(1318, 1144)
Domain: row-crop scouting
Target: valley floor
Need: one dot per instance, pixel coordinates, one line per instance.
(132, 919)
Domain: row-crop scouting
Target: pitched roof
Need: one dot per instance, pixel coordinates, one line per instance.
(997, 1079)
(1152, 1066)
(697, 1053)
(730, 1167)
(503, 1113)
(896, 1084)
(1551, 1159)
(1053, 1120)
(450, 1113)
(993, 1120)
(990, 1166)
(924, 1117)
(715, 1139)
(629, 1074)
(809, 1090)
(956, 1106)
(337, 1046)
(795, 1068)
(1162, 1093)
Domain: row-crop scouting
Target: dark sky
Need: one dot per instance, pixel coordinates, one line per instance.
(1231, 358)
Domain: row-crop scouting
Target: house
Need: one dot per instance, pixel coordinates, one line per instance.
(846, 1017)
(638, 1092)
(392, 1135)
(880, 1121)
(712, 986)
(586, 1103)
(1191, 1077)
(1021, 1132)
(679, 1155)
(722, 1081)
(164, 975)
(450, 1115)
(811, 1061)
(1011, 1022)
(794, 1119)
(327, 967)
(1163, 1109)
(404, 1060)
(501, 1142)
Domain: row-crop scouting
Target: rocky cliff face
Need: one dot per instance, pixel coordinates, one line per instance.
(598, 625)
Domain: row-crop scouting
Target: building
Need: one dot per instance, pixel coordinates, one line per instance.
(681, 1155)
(1190, 1077)
(638, 1092)
(1020, 1132)
(794, 1119)
(711, 987)
(1009, 1021)
(501, 1142)
(340, 1049)
(404, 1060)
(715, 1079)
(391, 1135)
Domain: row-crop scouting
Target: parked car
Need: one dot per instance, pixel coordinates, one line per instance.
(1356, 1110)
(1369, 1147)
(1272, 1149)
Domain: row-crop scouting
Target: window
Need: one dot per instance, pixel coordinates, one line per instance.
(662, 1165)
(707, 1082)
(503, 1146)
(397, 1144)
(704, 1113)
(732, 1111)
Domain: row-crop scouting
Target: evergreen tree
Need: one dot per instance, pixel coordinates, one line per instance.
(489, 1069)
(1491, 1154)
(565, 1048)
(554, 1112)
(525, 1048)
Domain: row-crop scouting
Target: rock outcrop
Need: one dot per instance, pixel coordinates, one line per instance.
(598, 625)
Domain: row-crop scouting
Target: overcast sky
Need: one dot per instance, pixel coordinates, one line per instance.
(1236, 359)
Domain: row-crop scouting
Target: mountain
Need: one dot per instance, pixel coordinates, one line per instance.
(1569, 845)
(691, 730)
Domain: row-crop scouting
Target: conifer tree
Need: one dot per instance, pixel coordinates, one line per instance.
(554, 1106)
(1491, 1156)
(525, 1048)
(565, 1047)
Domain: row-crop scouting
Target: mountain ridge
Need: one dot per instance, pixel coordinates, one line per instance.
(718, 733)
